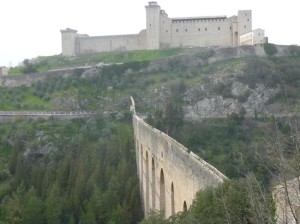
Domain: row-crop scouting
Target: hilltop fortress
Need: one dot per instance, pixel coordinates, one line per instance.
(163, 32)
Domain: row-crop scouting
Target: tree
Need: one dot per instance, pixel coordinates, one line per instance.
(284, 154)
(53, 206)
(294, 50)
(270, 49)
(28, 67)
(34, 209)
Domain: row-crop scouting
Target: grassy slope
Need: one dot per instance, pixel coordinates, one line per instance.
(45, 63)
(97, 91)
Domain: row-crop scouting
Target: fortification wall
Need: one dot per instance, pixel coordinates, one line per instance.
(164, 32)
(88, 45)
(201, 32)
(169, 174)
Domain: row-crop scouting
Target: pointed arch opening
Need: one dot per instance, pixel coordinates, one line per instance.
(141, 166)
(162, 197)
(147, 182)
(172, 199)
(184, 206)
(236, 39)
(153, 185)
(141, 176)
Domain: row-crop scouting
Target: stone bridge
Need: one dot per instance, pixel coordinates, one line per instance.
(170, 175)
(10, 115)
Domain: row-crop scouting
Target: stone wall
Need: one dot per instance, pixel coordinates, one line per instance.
(164, 32)
(286, 198)
(3, 71)
(88, 45)
(201, 32)
(170, 175)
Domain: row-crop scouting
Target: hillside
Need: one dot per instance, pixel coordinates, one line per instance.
(211, 82)
(228, 105)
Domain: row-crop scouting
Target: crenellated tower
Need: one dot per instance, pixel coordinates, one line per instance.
(152, 25)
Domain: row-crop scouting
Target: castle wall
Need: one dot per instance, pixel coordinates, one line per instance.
(201, 32)
(88, 45)
(169, 174)
(164, 32)
(3, 71)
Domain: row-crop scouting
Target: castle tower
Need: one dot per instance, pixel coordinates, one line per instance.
(152, 25)
(244, 21)
(68, 39)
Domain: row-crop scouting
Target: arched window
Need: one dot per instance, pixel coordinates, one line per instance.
(162, 192)
(172, 199)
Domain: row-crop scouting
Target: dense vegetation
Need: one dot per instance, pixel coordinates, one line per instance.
(113, 83)
(79, 171)
(256, 154)
(83, 171)
(234, 202)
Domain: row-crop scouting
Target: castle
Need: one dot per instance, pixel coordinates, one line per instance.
(163, 32)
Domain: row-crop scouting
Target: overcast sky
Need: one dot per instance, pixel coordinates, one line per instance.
(31, 28)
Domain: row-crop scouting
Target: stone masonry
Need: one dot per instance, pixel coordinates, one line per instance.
(163, 32)
(170, 175)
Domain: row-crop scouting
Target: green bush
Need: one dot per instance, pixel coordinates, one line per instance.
(294, 50)
(270, 49)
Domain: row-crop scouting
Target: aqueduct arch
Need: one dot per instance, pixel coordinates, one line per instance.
(170, 175)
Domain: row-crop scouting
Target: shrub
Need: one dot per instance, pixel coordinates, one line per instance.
(294, 50)
(270, 49)
(29, 67)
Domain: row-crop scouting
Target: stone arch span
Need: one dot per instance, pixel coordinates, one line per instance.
(179, 171)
